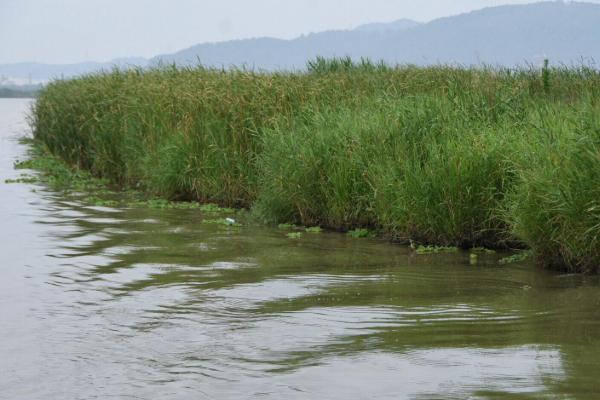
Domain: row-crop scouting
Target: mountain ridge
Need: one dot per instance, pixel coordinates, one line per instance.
(382, 27)
(507, 35)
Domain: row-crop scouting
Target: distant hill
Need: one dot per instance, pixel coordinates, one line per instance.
(19, 91)
(44, 72)
(506, 35)
(384, 27)
(564, 32)
(6, 93)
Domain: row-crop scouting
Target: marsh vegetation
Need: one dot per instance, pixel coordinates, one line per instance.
(166, 298)
(444, 156)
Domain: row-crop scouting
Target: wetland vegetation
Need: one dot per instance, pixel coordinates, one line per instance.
(131, 287)
(439, 156)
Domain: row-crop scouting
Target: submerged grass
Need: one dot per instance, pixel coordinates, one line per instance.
(443, 156)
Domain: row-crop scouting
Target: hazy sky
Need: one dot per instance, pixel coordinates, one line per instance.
(61, 31)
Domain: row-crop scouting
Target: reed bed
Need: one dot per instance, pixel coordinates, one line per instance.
(441, 155)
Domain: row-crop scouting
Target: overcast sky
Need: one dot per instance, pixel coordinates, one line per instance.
(66, 31)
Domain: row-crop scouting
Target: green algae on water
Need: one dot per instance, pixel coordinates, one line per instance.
(361, 233)
(23, 179)
(223, 221)
(314, 229)
(287, 226)
(435, 249)
(100, 202)
(516, 258)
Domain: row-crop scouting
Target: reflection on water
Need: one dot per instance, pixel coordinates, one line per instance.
(138, 303)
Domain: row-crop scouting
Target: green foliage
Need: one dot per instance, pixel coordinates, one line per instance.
(223, 221)
(314, 229)
(556, 210)
(294, 235)
(286, 226)
(54, 172)
(435, 249)
(313, 171)
(446, 156)
(24, 179)
(213, 208)
(321, 65)
(473, 258)
(361, 233)
(100, 202)
(446, 178)
(482, 250)
(515, 258)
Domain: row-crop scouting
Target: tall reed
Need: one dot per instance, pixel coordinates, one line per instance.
(440, 155)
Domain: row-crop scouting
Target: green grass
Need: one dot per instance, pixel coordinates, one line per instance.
(556, 210)
(443, 156)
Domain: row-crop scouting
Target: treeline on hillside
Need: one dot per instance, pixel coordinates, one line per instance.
(16, 91)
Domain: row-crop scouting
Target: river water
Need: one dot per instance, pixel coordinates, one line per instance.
(138, 303)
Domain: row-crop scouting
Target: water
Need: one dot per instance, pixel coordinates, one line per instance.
(152, 304)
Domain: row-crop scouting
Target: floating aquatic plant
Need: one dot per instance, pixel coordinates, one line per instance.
(435, 249)
(515, 258)
(223, 221)
(361, 233)
(287, 226)
(314, 229)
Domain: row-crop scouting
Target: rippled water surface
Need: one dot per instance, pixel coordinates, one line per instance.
(152, 304)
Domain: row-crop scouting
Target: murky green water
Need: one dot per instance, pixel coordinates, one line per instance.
(152, 304)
